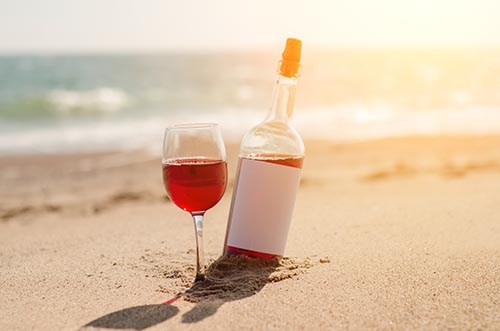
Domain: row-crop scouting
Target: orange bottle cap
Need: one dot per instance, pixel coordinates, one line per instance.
(290, 63)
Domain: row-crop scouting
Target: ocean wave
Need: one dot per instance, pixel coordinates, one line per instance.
(104, 99)
(66, 103)
(339, 123)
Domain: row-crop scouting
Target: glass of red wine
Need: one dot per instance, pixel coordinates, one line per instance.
(195, 174)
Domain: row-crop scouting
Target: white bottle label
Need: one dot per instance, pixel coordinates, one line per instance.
(263, 206)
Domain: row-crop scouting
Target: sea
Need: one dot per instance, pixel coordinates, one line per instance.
(99, 102)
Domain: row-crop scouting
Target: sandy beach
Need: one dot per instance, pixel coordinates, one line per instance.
(392, 234)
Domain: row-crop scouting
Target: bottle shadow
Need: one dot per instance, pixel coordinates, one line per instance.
(227, 279)
(230, 278)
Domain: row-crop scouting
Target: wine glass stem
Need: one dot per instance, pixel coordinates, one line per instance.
(200, 258)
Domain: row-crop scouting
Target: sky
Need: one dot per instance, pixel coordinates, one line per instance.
(31, 26)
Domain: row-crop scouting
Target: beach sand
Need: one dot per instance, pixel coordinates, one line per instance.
(393, 234)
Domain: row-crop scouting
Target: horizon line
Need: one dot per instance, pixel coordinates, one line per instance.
(313, 48)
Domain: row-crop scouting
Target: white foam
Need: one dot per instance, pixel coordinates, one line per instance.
(340, 123)
(354, 122)
(103, 99)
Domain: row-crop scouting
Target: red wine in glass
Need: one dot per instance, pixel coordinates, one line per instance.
(195, 174)
(195, 184)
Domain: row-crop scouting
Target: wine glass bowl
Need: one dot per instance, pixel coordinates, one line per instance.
(195, 173)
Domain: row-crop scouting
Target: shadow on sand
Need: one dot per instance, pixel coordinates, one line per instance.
(137, 318)
(227, 279)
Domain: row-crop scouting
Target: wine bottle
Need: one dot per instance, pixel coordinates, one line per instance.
(268, 173)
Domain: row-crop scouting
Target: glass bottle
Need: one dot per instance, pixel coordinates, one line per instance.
(269, 169)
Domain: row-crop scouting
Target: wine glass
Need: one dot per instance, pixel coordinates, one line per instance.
(195, 174)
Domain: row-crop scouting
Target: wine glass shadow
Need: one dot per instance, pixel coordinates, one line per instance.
(229, 278)
(137, 318)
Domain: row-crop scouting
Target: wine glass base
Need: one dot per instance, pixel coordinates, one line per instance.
(199, 278)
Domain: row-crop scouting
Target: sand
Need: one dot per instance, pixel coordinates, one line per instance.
(394, 234)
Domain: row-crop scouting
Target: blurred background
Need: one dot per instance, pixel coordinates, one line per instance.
(84, 76)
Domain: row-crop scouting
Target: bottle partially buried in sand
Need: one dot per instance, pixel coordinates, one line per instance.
(268, 175)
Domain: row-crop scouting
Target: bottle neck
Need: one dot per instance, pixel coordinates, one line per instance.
(283, 100)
